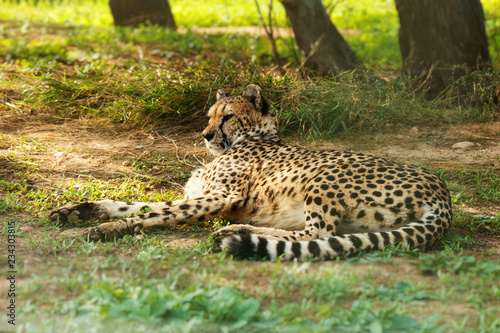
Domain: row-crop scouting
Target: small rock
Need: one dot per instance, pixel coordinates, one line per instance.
(139, 237)
(463, 145)
(414, 131)
(139, 147)
(60, 154)
(126, 163)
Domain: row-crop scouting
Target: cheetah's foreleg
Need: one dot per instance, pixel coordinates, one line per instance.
(177, 212)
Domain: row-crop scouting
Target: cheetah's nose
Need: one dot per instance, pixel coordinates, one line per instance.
(208, 136)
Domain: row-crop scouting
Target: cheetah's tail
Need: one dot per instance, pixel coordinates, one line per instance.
(415, 235)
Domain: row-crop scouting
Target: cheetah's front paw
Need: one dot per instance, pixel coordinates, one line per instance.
(78, 213)
(113, 230)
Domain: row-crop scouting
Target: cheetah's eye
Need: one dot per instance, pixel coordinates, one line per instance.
(226, 118)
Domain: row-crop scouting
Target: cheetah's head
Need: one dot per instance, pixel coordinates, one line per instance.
(236, 118)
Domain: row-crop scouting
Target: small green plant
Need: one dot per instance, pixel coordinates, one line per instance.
(402, 291)
(473, 186)
(10, 202)
(55, 246)
(457, 243)
(432, 263)
(474, 223)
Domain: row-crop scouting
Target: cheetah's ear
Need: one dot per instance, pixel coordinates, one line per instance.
(253, 93)
(220, 94)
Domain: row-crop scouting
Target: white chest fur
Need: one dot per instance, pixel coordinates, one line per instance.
(194, 186)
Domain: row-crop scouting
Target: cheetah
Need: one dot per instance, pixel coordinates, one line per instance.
(287, 202)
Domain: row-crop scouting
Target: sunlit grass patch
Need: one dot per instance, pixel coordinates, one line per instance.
(66, 12)
(136, 97)
(24, 185)
(327, 106)
(478, 222)
(473, 187)
(371, 27)
(147, 95)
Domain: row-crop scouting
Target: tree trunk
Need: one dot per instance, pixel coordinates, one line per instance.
(325, 50)
(135, 12)
(441, 40)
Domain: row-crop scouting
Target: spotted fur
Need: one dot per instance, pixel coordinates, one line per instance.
(287, 202)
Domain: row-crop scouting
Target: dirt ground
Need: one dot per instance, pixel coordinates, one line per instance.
(75, 148)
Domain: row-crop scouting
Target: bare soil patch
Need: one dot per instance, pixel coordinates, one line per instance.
(432, 146)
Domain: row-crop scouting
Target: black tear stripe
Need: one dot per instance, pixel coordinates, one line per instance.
(241, 123)
(262, 249)
(225, 140)
(225, 119)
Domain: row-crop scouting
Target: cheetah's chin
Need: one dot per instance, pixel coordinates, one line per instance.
(215, 150)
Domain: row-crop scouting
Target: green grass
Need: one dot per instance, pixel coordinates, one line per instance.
(375, 43)
(150, 76)
(149, 285)
(20, 196)
(473, 187)
(210, 294)
(145, 97)
(60, 69)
